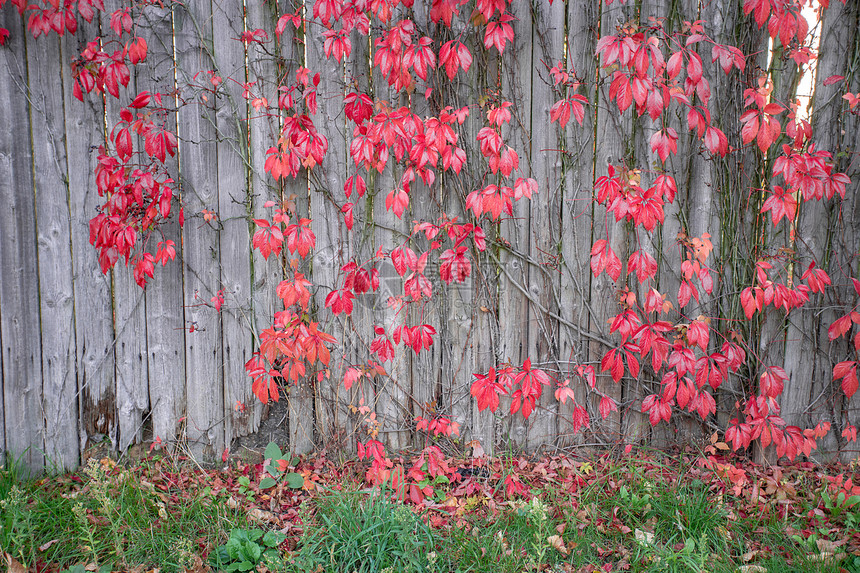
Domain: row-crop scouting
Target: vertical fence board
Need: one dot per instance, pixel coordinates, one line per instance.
(131, 375)
(165, 313)
(516, 85)
(331, 252)
(19, 308)
(94, 337)
(363, 250)
(59, 383)
(233, 209)
(582, 23)
(612, 129)
(263, 128)
(391, 232)
(543, 161)
(427, 368)
(808, 358)
(198, 152)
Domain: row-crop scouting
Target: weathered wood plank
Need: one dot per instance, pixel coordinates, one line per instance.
(516, 83)
(426, 375)
(94, 338)
(53, 236)
(543, 161)
(122, 416)
(648, 164)
(362, 250)
(392, 400)
(301, 398)
(263, 127)
(481, 304)
(165, 313)
(331, 252)
(19, 309)
(809, 357)
(234, 203)
(198, 152)
(612, 131)
(582, 24)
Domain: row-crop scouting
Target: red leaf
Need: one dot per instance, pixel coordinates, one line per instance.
(396, 201)
(581, 419)
(604, 258)
(772, 381)
(350, 377)
(839, 327)
(607, 406)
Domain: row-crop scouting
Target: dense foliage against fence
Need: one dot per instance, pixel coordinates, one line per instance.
(599, 186)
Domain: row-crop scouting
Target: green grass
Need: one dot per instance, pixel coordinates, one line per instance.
(365, 533)
(111, 518)
(636, 515)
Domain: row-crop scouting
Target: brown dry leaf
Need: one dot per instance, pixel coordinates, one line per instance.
(827, 546)
(750, 555)
(261, 516)
(751, 569)
(644, 537)
(197, 566)
(557, 542)
(477, 449)
(48, 545)
(12, 564)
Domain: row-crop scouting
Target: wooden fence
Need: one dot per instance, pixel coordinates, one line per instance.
(89, 357)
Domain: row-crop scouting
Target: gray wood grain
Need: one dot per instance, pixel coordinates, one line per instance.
(19, 279)
(234, 204)
(200, 183)
(57, 321)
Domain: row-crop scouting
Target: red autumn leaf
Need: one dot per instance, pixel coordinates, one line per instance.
(847, 372)
(340, 301)
(300, 238)
(613, 363)
(772, 381)
(581, 419)
(397, 201)
(604, 258)
(268, 238)
(839, 327)
(665, 142)
(607, 406)
(347, 215)
(644, 264)
(351, 376)
(486, 389)
(455, 265)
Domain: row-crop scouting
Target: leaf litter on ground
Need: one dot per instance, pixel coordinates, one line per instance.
(609, 510)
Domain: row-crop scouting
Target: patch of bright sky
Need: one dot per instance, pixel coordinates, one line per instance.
(807, 81)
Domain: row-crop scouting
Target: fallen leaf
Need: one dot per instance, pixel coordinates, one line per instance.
(751, 569)
(557, 542)
(197, 565)
(47, 545)
(644, 537)
(827, 546)
(261, 516)
(12, 564)
(477, 449)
